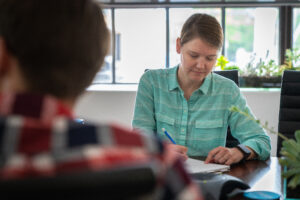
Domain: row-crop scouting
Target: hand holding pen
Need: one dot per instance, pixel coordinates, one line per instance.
(180, 150)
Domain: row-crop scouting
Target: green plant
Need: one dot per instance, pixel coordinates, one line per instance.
(290, 151)
(264, 67)
(291, 58)
(222, 61)
(269, 68)
(250, 69)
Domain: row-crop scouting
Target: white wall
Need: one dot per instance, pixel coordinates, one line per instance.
(117, 106)
(265, 106)
(107, 106)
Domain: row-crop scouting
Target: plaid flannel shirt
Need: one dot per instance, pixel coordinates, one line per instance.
(39, 137)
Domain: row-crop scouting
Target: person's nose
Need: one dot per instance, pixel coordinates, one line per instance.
(200, 63)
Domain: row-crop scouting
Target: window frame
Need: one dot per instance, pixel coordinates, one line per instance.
(285, 21)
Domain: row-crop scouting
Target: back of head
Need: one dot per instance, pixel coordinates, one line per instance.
(202, 26)
(60, 44)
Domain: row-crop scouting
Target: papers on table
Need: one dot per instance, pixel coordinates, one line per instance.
(196, 166)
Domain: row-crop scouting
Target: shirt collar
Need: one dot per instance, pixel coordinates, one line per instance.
(206, 84)
(36, 106)
(172, 78)
(173, 82)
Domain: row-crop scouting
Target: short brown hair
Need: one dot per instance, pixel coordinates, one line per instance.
(204, 26)
(60, 44)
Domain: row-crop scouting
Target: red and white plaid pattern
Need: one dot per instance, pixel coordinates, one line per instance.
(38, 137)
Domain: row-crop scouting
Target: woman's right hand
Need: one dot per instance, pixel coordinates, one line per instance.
(180, 150)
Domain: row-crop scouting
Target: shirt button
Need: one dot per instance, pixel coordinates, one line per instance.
(182, 130)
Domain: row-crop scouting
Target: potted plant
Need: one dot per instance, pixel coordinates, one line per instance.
(264, 73)
(292, 57)
(222, 62)
(290, 159)
(261, 74)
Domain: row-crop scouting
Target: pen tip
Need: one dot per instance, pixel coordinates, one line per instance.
(163, 129)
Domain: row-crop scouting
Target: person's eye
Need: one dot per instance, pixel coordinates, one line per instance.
(210, 58)
(194, 56)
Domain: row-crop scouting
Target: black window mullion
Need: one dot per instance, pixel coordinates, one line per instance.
(113, 37)
(223, 18)
(285, 33)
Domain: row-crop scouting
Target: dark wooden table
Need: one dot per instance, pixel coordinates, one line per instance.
(259, 175)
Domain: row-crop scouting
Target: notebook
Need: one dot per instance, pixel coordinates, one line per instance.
(196, 166)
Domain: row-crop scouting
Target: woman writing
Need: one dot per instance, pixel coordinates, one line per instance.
(192, 103)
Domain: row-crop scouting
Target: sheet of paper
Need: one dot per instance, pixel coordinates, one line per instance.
(196, 166)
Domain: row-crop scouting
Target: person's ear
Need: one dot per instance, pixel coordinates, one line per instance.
(4, 57)
(178, 45)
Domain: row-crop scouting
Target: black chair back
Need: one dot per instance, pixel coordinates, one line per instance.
(230, 74)
(120, 183)
(289, 110)
(234, 76)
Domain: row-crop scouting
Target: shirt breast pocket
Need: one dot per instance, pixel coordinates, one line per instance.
(207, 134)
(209, 124)
(166, 122)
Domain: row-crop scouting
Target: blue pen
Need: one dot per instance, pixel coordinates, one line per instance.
(167, 134)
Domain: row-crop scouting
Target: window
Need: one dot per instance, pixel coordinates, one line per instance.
(254, 0)
(251, 34)
(126, 1)
(296, 28)
(296, 33)
(188, 1)
(142, 42)
(105, 75)
(145, 31)
(177, 17)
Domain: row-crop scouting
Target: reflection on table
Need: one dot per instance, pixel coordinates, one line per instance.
(259, 175)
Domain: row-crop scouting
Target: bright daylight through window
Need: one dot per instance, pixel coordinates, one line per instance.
(296, 33)
(145, 37)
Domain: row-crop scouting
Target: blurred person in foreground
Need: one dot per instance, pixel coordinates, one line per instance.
(50, 51)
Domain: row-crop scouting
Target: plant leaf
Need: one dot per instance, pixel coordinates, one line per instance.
(291, 172)
(289, 162)
(297, 136)
(294, 181)
(289, 149)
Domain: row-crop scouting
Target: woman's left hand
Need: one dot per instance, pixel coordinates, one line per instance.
(223, 155)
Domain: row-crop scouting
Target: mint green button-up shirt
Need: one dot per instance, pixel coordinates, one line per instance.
(201, 122)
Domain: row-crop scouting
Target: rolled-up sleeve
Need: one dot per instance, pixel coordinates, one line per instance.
(246, 130)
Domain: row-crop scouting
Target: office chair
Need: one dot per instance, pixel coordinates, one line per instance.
(289, 109)
(120, 183)
(230, 74)
(234, 76)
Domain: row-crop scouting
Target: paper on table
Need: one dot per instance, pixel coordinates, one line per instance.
(196, 166)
